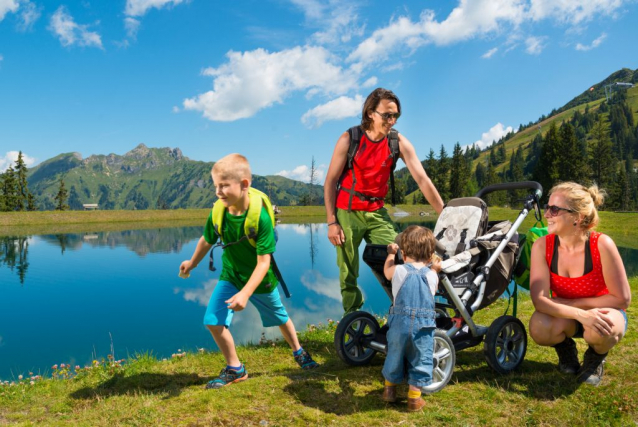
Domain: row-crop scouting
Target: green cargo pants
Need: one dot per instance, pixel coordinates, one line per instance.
(375, 227)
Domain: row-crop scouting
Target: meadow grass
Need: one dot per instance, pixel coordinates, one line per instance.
(147, 391)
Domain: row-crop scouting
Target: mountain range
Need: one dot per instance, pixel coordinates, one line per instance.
(143, 178)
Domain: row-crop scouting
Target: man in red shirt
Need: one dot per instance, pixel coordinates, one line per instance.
(355, 211)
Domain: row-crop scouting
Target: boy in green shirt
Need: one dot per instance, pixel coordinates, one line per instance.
(246, 272)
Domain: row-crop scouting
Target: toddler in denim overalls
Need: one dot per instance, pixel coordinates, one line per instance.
(411, 320)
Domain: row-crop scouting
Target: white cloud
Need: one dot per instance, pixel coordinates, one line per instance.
(593, 45)
(573, 11)
(336, 17)
(140, 7)
(201, 295)
(1, 58)
(316, 282)
(10, 158)
(254, 80)
(336, 109)
(8, 6)
(469, 19)
(302, 173)
(176, 109)
(131, 25)
(71, 33)
(534, 45)
(472, 18)
(29, 14)
(489, 53)
(495, 133)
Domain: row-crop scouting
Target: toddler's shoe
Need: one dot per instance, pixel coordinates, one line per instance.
(304, 360)
(228, 376)
(416, 404)
(390, 393)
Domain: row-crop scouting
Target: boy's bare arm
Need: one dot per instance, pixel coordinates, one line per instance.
(389, 266)
(200, 252)
(238, 301)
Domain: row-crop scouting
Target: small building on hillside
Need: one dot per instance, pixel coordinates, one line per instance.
(90, 206)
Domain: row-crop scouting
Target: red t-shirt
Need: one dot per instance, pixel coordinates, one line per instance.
(372, 164)
(589, 285)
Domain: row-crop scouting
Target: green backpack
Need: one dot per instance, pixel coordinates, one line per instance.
(521, 273)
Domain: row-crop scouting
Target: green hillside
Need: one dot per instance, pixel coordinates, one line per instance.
(576, 119)
(143, 178)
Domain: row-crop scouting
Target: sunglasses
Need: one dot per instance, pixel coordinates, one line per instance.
(554, 210)
(388, 116)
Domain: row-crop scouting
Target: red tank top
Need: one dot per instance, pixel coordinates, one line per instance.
(371, 164)
(589, 285)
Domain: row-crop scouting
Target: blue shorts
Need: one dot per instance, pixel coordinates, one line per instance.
(271, 310)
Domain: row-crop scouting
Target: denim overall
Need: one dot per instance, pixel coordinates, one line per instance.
(411, 333)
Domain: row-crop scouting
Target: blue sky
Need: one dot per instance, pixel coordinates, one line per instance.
(280, 80)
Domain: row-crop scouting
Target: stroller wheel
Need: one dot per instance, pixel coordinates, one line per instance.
(353, 333)
(444, 360)
(505, 344)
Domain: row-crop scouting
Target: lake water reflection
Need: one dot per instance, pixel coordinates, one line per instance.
(62, 297)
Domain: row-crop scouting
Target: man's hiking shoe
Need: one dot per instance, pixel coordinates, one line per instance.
(304, 360)
(567, 356)
(592, 370)
(228, 376)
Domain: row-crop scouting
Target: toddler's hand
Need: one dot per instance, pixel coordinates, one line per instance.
(436, 263)
(393, 248)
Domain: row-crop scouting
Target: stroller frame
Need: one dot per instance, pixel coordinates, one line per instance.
(359, 337)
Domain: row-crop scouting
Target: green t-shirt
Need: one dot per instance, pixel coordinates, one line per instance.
(239, 260)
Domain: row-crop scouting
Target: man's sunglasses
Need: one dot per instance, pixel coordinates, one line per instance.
(554, 210)
(388, 116)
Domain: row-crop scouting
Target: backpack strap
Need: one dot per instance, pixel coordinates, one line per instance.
(218, 218)
(393, 144)
(355, 133)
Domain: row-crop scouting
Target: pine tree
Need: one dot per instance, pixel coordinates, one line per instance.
(9, 190)
(459, 173)
(571, 164)
(21, 181)
(546, 172)
(515, 174)
(440, 180)
(31, 203)
(61, 198)
(601, 158)
(480, 175)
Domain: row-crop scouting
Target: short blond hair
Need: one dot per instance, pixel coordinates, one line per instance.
(418, 243)
(233, 166)
(583, 201)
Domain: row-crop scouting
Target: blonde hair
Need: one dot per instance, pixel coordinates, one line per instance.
(233, 166)
(418, 243)
(583, 201)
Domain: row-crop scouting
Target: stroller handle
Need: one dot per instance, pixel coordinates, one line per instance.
(522, 185)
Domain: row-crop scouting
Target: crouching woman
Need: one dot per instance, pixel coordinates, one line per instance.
(578, 283)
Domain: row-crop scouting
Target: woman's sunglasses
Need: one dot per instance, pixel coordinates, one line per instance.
(388, 116)
(554, 210)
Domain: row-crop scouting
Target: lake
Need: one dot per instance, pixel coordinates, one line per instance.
(73, 298)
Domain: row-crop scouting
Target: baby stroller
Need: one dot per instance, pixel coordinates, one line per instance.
(478, 259)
